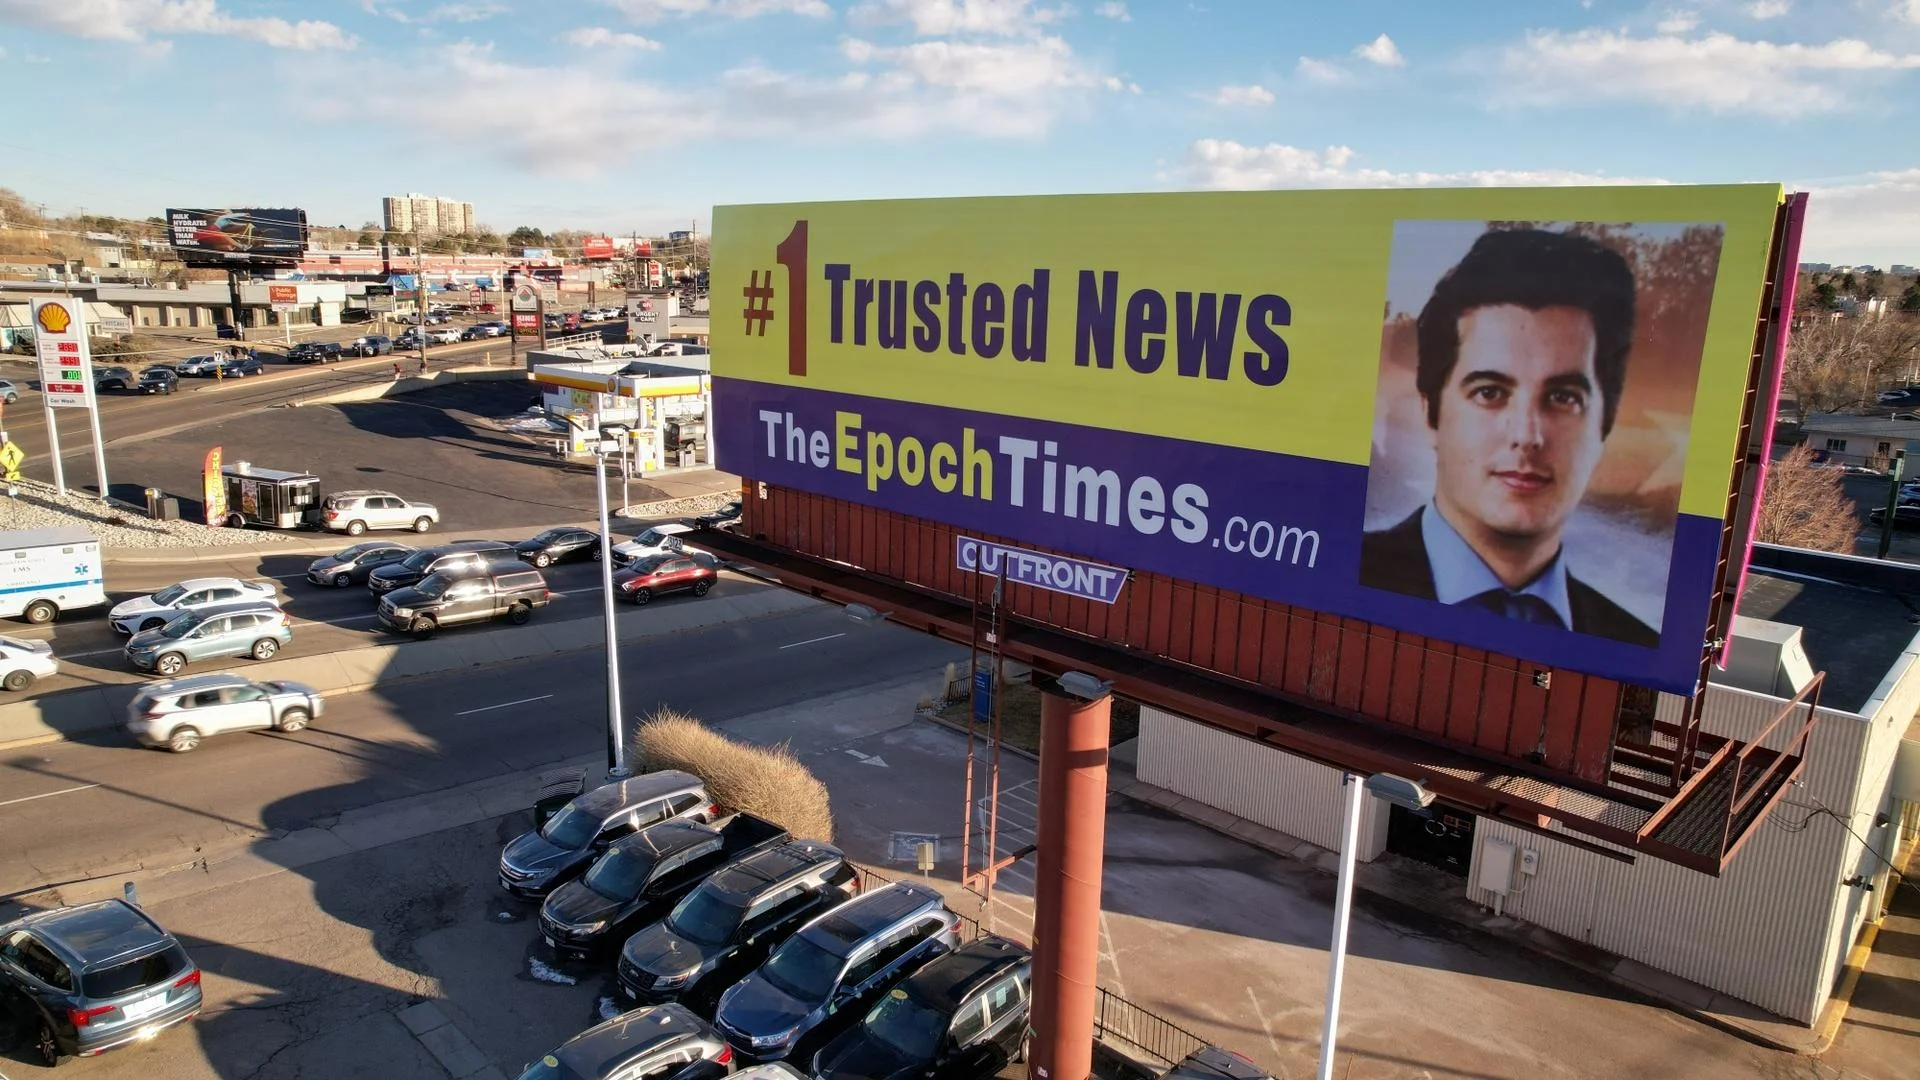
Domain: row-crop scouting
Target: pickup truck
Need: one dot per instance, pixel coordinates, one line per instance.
(641, 877)
(445, 599)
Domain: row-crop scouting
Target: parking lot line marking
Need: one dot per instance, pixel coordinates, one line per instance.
(49, 794)
(814, 641)
(503, 705)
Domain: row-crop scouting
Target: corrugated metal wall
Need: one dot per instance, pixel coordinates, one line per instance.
(1467, 697)
(1762, 931)
(1259, 783)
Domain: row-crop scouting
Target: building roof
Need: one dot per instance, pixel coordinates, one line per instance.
(1863, 426)
(1858, 614)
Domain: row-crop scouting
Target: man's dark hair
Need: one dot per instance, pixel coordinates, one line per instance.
(1533, 269)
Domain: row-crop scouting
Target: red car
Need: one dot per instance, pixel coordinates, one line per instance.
(659, 574)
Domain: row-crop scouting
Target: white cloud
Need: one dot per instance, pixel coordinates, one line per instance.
(595, 37)
(1717, 71)
(1120, 85)
(1114, 10)
(1254, 94)
(1324, 72)
(1875, 217)
(1222, 163)
(142, 21)
(1679, 22)
(466, 13)
(646, 11)
(1768, 9)
(939, 18)
(1909, 10)
(1382, 51)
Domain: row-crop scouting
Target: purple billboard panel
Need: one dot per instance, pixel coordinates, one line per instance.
(1285, 528)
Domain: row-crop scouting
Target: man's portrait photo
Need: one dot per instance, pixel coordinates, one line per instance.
(1532, 416)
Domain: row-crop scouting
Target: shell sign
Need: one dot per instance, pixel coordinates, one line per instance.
(54, 318)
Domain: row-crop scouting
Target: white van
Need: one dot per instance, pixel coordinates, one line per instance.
(44, 572)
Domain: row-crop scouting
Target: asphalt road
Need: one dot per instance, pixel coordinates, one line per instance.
(325, 619)
(81, 809)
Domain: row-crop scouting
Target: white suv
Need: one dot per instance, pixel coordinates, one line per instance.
(659, 540)
(354, 512)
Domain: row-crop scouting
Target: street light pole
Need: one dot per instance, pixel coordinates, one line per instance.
(1389, 788)
(616, 725)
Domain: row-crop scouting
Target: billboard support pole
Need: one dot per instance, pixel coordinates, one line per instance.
(233, 295)
(1894, 468)
(420, 306)
(99, 445)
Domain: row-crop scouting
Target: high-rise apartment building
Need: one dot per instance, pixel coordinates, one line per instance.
(426, 215)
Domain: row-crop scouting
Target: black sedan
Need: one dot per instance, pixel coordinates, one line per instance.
(240, 367)
(1906, 516)
(962, 1017)
(159, 380)
(351, 565)
(314, 352)
(726, 515)
(559, 545)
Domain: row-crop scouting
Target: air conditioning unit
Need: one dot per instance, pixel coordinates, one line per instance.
(1766, 658)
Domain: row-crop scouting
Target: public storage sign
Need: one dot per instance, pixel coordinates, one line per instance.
(1500, 417)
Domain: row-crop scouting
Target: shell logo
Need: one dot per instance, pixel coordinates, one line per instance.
(54, 318)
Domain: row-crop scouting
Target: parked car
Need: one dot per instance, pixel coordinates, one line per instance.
(159, 380)
(226, 331)
(439, 318)
(1906, 517)
(558, 545)
(22, 660)
(659, 575)
(443, 335)
(827, 974)
(460, 558)
(247, 629)
(371, 345)
(314, 352)
(148, 612)
(534, 864)
(353, 563)
(726, 515)
(354, 512)
(239, 367)
(203, 365)
(659, 540)
(726, 927)
(666, 1042)
(179, 713)
(1214, 1063)
(113, 377)
(87, 979)
(962, 1017)
(640, 878)
(448, 599)
(485, 330)
(9, 393)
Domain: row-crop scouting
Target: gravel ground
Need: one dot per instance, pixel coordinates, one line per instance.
(38, 506)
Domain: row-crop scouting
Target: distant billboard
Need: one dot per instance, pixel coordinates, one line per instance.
(536, 253)
(597, 247)
(1503, 418)
(238, 238)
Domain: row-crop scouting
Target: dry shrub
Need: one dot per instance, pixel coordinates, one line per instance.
(765, 781)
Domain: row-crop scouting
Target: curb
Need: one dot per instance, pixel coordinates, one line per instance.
(59, 717)
(1533, 939)
(1835, 1013)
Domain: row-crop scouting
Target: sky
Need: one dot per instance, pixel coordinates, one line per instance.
(641, 115)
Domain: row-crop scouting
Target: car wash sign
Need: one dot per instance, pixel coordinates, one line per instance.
(1055, 573)
(60, 342)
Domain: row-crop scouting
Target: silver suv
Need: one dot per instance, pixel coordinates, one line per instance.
(252, 629)
(177, 714)
(354, 512)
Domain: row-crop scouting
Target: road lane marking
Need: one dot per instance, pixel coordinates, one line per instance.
(814, 641)
(490, 708)
(49, 794)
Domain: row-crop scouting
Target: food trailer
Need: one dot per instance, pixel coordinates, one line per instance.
(272, 498)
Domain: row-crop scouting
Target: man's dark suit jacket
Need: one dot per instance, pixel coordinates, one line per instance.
(1396, 560)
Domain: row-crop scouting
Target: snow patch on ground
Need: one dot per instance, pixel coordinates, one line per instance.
(549, 974)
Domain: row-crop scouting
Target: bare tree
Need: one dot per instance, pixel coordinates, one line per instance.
(1804, 506)
(1837, 363)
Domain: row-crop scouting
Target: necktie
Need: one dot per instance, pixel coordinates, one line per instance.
(1524, 607)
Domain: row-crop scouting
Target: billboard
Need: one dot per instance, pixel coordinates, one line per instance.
(238, 238)
(597, 247)
(61, 351)
(1503, 417)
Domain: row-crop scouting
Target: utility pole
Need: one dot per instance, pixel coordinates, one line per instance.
(1894, 468)
(420, 305)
